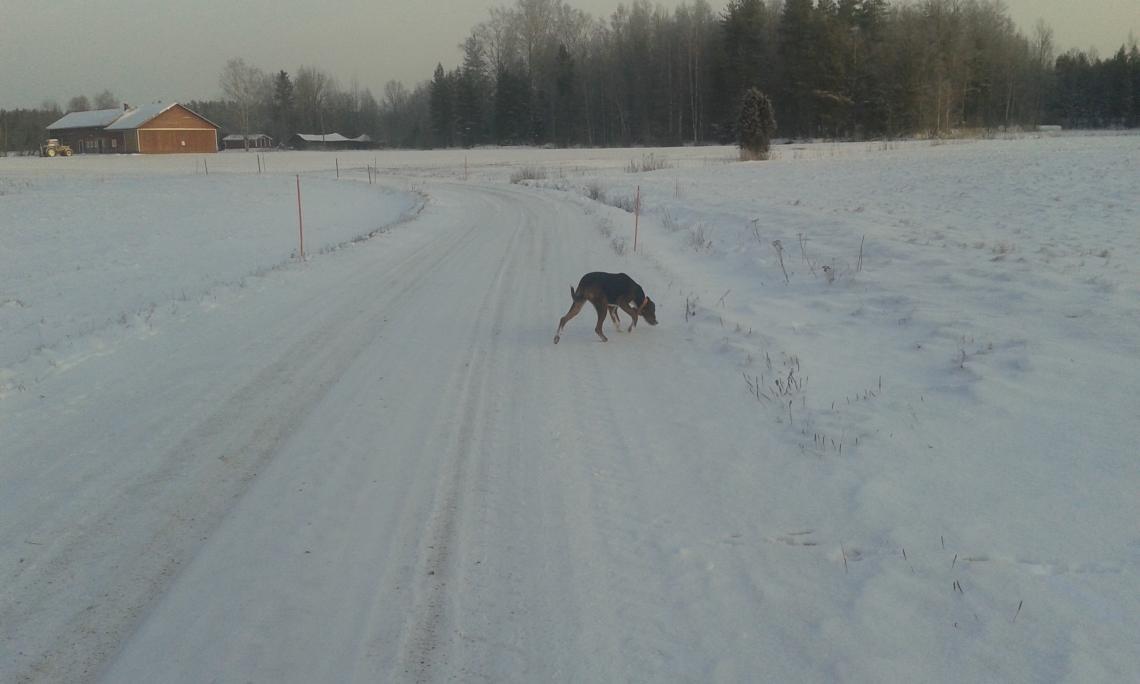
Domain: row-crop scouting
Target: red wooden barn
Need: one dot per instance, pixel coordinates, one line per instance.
(149, 129)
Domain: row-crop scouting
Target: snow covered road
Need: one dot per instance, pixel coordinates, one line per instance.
(391, 475)
(220, 464)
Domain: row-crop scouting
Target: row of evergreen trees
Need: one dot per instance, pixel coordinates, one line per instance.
(542, 72)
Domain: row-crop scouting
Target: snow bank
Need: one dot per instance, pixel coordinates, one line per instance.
(85, 255)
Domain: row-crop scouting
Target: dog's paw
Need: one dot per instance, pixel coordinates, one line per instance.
(556, 337)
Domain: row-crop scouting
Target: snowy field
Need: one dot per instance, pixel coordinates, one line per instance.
(886, 429)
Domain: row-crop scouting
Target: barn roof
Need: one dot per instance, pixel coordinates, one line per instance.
(138, 116)
(96, 118)
(117, 119)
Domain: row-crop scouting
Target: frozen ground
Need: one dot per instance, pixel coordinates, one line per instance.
(906, 453)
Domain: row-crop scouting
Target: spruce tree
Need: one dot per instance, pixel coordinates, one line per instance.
(512, 108)
(745, 60)
(283, 111)
(442, 108)
(471, 97)
(565, 101)
(756, 125)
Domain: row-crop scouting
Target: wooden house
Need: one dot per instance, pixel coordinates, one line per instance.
(86, 132)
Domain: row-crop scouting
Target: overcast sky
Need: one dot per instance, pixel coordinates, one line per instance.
(146, 50)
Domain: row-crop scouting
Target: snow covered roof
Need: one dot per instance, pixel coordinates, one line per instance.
(332, 138)
(95, 118)
(323, 137)
(136, 117)
(115, 119)
(251, 136)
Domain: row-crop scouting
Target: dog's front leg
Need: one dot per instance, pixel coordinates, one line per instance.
(632, 314)
(614, 317)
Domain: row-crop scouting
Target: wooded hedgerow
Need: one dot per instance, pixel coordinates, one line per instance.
(832, 68)
(541, 72)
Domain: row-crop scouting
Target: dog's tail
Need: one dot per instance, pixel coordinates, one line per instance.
(574, 294)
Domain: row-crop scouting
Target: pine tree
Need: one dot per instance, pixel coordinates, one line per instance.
(756, 125)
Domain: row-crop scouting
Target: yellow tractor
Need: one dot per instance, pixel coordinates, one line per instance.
(53, 147)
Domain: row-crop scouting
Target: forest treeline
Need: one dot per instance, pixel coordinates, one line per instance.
(541, 72)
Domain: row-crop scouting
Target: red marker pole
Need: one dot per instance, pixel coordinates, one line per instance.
(300, 220)
(636, 216)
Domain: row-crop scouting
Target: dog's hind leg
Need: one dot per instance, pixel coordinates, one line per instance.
(602, 312)
(574, 309)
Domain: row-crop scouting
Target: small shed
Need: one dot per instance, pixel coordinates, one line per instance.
(250, 141)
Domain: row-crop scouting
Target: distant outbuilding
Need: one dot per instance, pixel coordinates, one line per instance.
(329, 141)
(251, 141)
(149, 129)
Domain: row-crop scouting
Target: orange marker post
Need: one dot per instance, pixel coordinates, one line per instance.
(636, 216)
(300, 220)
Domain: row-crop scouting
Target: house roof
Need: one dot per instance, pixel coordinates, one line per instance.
(96, 118)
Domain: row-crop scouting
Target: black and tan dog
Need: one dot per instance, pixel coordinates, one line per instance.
(607, 292)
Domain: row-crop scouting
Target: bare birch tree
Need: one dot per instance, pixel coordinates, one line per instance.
(247, 87)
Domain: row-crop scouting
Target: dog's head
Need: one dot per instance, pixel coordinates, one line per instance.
(649, 311)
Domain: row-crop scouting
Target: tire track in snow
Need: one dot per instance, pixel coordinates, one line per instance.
(91, 586)
(422, 652)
